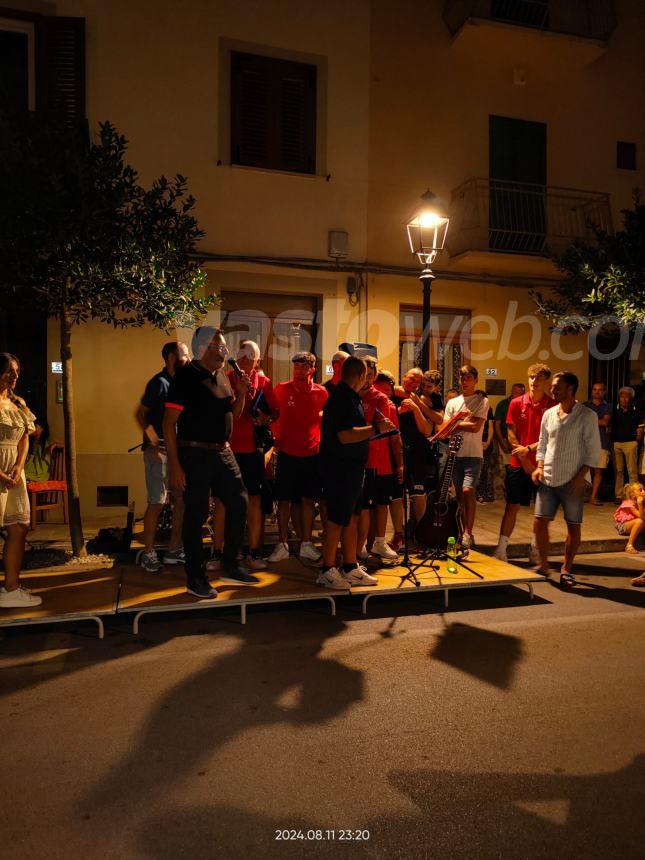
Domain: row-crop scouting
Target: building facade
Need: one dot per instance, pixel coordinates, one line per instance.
(308, 132)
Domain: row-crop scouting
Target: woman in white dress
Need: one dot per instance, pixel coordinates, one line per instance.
(16, 423)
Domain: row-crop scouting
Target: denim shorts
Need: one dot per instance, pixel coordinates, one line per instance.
(466, 471)
(549, 500)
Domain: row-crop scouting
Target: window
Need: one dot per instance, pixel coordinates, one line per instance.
(17, 72)
(529, 13)
(625, 155)
(517, 170)
(449, 343)
(273, 113)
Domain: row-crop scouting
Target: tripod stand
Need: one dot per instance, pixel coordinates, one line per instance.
(428, 559)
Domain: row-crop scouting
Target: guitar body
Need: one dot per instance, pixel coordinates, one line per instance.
(442, 518)
(441, 521)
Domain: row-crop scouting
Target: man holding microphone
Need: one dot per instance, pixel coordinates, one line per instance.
(197, 425)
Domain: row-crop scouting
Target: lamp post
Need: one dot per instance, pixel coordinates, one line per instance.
(427, 231)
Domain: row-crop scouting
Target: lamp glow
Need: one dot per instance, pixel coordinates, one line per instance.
(427, 229)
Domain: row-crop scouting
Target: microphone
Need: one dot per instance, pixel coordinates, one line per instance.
(235, 366)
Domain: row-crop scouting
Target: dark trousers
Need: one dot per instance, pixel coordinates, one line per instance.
(217, 471)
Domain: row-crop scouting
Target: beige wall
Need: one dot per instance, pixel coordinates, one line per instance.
(431, 97)
(153, 69)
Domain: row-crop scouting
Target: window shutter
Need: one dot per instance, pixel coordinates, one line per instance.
(249, 114)
(273, 113)
(298, 122)
(60, 51)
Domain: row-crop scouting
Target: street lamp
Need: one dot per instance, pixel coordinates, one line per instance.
(427, 231)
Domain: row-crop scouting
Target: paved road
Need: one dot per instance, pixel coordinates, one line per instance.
(497, 729)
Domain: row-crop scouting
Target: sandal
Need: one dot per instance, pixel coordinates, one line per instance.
(595, 502)
(631, 549)
(639, 582)
(567, 580)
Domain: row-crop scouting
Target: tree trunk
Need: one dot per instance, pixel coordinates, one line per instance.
(74, 502)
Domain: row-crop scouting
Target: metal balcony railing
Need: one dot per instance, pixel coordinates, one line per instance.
(521, 218)
(591, 19)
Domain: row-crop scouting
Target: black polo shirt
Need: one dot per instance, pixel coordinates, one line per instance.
(154, 399)
(624, 425)
(205, 401)
(342, 411)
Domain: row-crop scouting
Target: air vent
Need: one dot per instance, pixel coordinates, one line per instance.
(112, 497)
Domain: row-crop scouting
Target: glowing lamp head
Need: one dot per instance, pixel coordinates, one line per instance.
(427, 229)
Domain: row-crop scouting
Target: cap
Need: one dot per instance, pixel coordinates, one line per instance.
(249, 349)
(304, 358)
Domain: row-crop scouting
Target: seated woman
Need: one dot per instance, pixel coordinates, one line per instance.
(39, 461)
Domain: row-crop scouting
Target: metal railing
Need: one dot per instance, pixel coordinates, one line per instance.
(591, 19)
(521, 218)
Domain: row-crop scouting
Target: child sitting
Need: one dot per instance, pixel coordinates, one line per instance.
(630, 515)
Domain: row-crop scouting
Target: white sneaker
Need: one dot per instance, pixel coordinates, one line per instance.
(534, 555)
(280, 552)
(333, 578)
(359, 576)
(308, 551)
(500, 553)
(380, 548)
(18, 599)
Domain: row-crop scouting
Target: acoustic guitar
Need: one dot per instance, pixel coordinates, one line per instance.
(442, 517)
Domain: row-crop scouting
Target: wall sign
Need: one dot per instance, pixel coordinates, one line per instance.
(491, 371)
(57, 366)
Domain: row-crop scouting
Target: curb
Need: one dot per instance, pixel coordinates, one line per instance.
(521, 550)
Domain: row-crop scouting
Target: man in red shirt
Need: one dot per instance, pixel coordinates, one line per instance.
(259, 407)
(297, 436)
(380, 484)
(523, 425)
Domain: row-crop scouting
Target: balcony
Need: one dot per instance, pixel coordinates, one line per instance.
(576, 31)
(515, 218)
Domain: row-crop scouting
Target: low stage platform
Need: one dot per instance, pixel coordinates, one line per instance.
(91, 593)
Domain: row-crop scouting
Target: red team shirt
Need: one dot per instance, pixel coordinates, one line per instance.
(242, 439)
(526, 417)
(297, 431)
(380, 457)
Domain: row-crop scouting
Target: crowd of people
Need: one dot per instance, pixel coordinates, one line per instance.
(228, 446)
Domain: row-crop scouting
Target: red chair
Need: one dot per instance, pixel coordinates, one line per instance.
(44, 495)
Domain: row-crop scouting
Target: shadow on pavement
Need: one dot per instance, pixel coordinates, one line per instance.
(492, 657)
(237, 691)
(458, 815)
(530, 814)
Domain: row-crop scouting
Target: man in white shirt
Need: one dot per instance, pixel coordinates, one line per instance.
(569, 447)
(469, 459)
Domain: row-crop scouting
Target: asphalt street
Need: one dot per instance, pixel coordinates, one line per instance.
(499, 728)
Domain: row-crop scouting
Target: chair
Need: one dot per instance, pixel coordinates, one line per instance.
(43, 495)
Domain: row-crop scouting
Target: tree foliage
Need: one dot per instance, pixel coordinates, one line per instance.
(78, 231)
(603, 279)
(81, 239)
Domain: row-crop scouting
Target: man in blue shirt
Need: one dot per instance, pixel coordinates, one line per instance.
(149, 416)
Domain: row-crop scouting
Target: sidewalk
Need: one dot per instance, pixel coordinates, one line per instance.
(598, 532)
